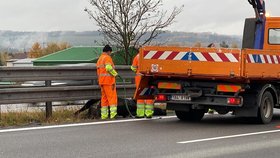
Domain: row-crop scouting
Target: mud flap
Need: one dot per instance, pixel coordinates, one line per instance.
(250, 106)
(144, 90)
(247, 112)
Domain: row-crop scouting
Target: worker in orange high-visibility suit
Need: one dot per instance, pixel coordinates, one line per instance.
(144, 107)
(106, 79)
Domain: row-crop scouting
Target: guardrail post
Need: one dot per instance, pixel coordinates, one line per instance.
(94, 82)
(48, 104)
(0, 113)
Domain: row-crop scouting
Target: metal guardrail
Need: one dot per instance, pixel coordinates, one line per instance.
(76, 83)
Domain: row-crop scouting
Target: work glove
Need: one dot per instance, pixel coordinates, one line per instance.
(133, 68)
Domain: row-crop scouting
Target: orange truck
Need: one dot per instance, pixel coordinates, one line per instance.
(243, 81)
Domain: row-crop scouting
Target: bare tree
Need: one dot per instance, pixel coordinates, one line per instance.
(131, 23)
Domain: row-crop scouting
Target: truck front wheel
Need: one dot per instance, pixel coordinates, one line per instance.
(265, 111)
(192, 115)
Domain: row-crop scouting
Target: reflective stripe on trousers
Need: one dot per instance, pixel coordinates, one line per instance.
(145, 108)
(140, 111)
(149, 110)
(113, 111)
(104, 112)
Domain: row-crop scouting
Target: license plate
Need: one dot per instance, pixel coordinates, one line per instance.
(181, 98)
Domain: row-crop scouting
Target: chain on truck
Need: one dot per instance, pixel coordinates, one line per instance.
(244, 81)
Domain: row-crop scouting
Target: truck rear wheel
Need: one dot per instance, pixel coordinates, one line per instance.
(265, 111)
(192, 115)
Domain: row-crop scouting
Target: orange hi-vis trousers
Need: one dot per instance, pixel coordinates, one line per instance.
(145, 108)
(108, 100)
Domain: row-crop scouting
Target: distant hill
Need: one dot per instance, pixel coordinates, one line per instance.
(13, 41)
(191, 38)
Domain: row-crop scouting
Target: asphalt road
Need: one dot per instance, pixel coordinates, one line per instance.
(215, 136)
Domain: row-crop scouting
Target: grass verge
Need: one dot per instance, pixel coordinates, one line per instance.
(39, 118)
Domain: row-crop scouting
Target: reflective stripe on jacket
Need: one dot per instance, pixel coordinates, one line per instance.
(104, 77)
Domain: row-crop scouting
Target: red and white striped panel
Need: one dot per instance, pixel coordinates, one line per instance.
(193, 56)
(263, 59)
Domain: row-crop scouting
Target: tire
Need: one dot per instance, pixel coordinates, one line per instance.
(192, 116)
(265, 110)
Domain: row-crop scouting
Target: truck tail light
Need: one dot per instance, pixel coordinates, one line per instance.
(161, 97)
(234, 101)
(169, 85)
(228, 88)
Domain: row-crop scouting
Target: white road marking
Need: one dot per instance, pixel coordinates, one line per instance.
(226, 137)
(82, 124)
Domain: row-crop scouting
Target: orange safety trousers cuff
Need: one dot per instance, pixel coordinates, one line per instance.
(140, 101)
(149, 102)
(109, 95)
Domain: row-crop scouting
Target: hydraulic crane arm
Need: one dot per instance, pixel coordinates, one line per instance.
(259, 7)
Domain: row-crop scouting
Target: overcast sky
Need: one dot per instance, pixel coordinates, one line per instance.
(219, 16)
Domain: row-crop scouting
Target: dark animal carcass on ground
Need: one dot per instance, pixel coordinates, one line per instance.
(126, 108)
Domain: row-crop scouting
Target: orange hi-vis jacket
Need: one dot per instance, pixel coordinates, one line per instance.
(104, 77)
(135, 67)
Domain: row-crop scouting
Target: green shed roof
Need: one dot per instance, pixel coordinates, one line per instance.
(75, 55)
(71, 55)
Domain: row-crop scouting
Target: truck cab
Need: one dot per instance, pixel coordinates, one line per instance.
(271, 31)
(272, 34)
